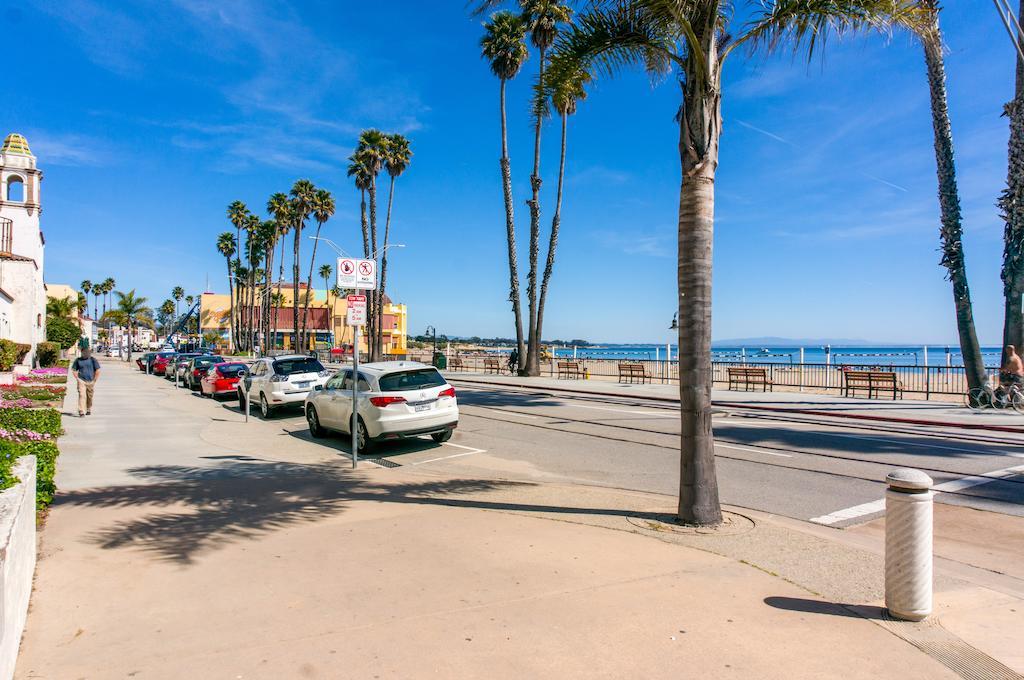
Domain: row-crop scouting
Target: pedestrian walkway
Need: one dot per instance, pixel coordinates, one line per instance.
(185, 542)
(907, 410)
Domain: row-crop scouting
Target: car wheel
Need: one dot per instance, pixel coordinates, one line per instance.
(265, 410)
(441, 437)
(366, 444)
(315, 428)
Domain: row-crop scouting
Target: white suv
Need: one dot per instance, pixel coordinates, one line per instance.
(397, 399)
(274, 382)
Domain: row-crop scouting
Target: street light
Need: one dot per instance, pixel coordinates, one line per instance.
(427, 332)
(675, 322)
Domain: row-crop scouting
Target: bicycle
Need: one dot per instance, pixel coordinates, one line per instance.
(996, 397)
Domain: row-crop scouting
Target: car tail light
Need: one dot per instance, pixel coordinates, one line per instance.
(197, 372)
(278, 378)
(386, 401)
(450, 392)
(324, 374)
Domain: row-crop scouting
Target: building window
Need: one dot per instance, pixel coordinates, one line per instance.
(15, 189)
(39, 320)
(6, 234)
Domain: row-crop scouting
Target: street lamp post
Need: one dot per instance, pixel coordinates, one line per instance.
(431, 329)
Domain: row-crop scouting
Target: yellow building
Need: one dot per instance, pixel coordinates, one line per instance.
(326, 322)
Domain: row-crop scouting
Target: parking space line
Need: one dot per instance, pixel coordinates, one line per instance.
(468, 452)
(951, 486)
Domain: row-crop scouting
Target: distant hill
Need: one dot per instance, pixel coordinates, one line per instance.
(771, 341)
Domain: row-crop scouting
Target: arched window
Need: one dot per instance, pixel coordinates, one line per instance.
(15, 189)
(39, 320)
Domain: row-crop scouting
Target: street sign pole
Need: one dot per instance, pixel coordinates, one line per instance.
(355, 397)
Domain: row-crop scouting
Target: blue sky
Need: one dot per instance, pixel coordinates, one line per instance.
(148, 118)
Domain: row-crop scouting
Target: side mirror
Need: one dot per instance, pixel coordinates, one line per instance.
(243, 373)
(318, 388)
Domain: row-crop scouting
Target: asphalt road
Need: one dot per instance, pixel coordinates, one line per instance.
(807, 468)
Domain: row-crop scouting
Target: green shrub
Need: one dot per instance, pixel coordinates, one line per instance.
(8, 354)
(42, 420)
(63, 363)
(62, 330)
(46, 453)
(48, 353)
(22, 349)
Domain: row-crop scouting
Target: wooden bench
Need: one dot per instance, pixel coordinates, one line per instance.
(570, 369)
(455, 364)
(749, 378)
(492, 364)
(872, 381)
(630, 372)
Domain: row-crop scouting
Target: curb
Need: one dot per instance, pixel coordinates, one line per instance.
(808, 412)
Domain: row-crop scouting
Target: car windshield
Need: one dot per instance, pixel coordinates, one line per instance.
(231, 370)
(202, 362)
(410, 380)
(297, 365)
(165, 355)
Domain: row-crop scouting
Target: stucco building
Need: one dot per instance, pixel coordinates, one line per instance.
(22, 292)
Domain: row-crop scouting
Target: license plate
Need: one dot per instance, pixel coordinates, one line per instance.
(304, 383)
(421, 407)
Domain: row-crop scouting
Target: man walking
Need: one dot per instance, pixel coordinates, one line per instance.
(87, 372)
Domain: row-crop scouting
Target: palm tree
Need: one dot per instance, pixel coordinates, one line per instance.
(371, 150)
(302, 196)
(695, 38)
(177, 293)
(1011, 205)
(280, 208)
(361, 175)
(226, 247)
(504, 46)
(396, 161)
(951, 229)
(59, 307)
(542, 19)
(132, 310)
(270, 233)
(322, 210)
(238, 213)
(253, 255)
(97, 291)
(86, 287)
(108, 287)
(325, 272)
(566, 89)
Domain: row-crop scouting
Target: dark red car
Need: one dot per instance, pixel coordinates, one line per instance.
(161, 361)
(221, 379)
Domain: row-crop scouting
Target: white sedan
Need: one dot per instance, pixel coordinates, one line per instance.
(397, 399)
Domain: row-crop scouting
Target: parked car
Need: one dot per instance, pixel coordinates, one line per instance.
(176, 370)
(143, 361)
(113, 351)
(221, 380)
(197, 367)
(275, 382)
(161, 361)
(397, 399)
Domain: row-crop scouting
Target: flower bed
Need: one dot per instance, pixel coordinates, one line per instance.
(45, 376)
(18, 443)
(27, 395)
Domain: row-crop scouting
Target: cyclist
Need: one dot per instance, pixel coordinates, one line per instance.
(1012, 371)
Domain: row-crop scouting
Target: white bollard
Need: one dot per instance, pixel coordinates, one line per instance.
(908, 544)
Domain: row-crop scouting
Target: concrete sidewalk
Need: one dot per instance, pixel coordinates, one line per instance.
(942, 414)
(187, 543)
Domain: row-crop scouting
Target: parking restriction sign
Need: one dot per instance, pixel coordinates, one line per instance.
(356, 315)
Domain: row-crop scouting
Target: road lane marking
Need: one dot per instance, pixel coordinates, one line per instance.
(468, 452)
(744, 448)
(499, 410)
(948, 487)
(619, 410)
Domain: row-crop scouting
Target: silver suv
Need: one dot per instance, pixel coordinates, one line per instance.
(274, 382)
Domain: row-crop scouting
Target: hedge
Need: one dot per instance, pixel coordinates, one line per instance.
(42, 420)
(46, 453)
(48, 353)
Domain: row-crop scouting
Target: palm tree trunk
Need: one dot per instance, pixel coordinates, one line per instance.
(1011, 203)
(231, 303)
(295, 285)
(951, 230)
(309, 286)
(700, 126)
(510, 232)
(277, 295)
(371, 340)
(556, 222)
(384, 271)
(533, 348)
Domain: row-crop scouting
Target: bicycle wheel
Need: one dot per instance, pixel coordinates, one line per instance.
(1017, 400)
(979, 398)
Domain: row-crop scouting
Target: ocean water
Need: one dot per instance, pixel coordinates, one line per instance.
(864, 355)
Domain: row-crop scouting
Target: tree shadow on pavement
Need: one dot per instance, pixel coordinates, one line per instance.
(808, 606)
(241, 498)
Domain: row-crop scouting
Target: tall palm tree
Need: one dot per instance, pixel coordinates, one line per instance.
(695, 38)
(280, 208)
(322, 210)
(566, 88)
(253, 255)
(542, 18)
(361, 175)
(504, 46)
(270, 234)
(108, 287)
(396, 160)
(131, 311)
(371, 150)
(1011, 205)
(97, 292)
(226, 247)
(302, 196)
(177, 293)
(86, 287)
(951, 228)
(238, 213)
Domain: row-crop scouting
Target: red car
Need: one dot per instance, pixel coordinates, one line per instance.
(161, 361)
(221, 379)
